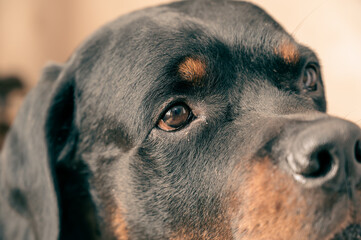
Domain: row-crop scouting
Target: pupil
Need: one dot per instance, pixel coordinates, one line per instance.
(177, 111)
(177, 116)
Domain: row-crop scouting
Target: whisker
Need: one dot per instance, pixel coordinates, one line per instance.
(297, 28)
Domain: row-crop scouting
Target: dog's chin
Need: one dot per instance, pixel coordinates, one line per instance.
(352, 232)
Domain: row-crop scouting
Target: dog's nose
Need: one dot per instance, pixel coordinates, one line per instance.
(325, 151)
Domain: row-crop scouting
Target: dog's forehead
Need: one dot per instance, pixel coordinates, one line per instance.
(231, 22)
(193, 28)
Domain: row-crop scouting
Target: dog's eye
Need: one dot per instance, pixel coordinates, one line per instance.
(310, 78)
(176, 117)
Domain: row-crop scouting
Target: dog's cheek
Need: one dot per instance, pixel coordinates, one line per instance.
(113, 220)
(118, 224)
(266, 204)
(185, 234)
(218, 228)
(106, 182)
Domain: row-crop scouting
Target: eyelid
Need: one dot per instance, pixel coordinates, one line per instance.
(313, 64)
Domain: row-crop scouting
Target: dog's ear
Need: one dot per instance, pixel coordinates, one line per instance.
(43, 134)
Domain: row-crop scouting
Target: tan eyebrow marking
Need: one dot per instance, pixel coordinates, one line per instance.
(192, 69)
(288, 51)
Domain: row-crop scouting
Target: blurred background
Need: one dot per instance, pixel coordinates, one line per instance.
(34, 32)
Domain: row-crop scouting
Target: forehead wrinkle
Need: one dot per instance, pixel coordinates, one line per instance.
(192, 69)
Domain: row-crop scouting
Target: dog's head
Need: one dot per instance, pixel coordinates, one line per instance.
(195, 120)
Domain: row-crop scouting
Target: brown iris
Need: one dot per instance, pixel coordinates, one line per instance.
(176, 117)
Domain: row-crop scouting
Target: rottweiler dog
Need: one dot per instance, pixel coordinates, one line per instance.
(193, 120)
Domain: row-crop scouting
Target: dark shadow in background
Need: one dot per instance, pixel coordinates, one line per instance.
(7, 86)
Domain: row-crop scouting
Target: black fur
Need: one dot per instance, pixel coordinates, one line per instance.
(87, 139)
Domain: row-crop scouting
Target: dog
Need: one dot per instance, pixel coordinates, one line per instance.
(192, 120)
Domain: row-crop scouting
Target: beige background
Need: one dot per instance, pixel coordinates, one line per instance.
(32, 32)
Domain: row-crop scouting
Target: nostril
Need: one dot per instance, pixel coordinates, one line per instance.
(321, 164)
(324, 152)
(358, 151)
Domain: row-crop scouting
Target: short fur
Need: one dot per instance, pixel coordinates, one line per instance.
(86, 160)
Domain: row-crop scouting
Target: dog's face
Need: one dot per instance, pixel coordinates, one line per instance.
(196, 120)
